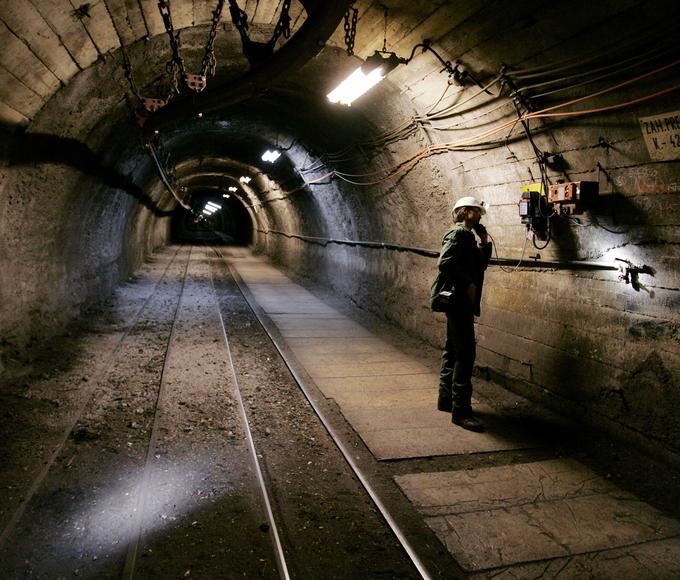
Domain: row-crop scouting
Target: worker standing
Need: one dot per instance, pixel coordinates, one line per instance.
(461, 267)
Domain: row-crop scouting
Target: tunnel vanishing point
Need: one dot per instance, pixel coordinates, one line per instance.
(122, 121)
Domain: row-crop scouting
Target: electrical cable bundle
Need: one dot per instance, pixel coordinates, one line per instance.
(481, 138)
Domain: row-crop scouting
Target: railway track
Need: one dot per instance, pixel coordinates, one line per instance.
(337, 440)
(198, 453)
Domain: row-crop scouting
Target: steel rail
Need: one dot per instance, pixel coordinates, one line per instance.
(276, 540)
(413, 556)
(40, 478)
(133, 546)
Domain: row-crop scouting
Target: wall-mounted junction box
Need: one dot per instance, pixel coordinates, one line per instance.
(533, 210)
(572, 198)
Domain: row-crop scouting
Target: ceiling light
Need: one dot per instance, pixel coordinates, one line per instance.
(233, 189)
(244, 179)
(226, 195)
(271, 156)
(210, 204)
(206, 212)
(365, 77)
(381, 63)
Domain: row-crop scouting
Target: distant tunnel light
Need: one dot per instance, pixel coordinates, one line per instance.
(244, 179)
(271, 156)
(207, 212)
(356, 85)
(226, 195)
(211, 205)
(233, 189)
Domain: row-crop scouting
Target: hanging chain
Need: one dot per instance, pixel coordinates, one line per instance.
(149, 103)
(385, 35)
(240, 19)
(175, 66)
(283, 25)
(127, 66)
(351, 28)
(209, 61)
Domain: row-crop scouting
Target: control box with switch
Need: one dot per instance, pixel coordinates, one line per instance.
(572, 198)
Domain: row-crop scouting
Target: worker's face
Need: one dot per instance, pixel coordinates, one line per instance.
(474, 215)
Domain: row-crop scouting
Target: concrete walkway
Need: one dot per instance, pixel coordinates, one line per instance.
(538, 519)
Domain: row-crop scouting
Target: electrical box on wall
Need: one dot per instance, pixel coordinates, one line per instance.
(534, 210)
(572, 198)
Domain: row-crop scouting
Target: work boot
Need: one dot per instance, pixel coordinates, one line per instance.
(464, 417)
(444, 403)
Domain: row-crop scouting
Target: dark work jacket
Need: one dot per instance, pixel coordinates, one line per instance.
(462, 262)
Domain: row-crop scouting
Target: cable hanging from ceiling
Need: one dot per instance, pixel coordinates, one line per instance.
(628, 55)
(547, 112)
(506, 79)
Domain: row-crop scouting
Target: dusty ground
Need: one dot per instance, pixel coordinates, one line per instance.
(202, 515)
(201, 510)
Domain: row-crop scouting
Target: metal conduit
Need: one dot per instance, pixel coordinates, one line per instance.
(164, 177)
(529, 263)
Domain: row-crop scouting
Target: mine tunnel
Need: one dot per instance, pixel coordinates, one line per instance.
(218, 352)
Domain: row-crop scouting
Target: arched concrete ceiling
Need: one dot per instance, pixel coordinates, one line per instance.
(68, 56)
(47, 44)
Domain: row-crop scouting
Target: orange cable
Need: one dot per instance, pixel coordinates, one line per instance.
(542, 113)
(609, 89)
(602, 109)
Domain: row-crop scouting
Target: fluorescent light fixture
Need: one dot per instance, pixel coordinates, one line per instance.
(244, 179)
(226, 195)
(365, 77)
(233, 189)
(215, 205)
(355, 85)
(271, 156)
(206, 212)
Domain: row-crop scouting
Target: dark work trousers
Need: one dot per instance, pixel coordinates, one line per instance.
(458, 358)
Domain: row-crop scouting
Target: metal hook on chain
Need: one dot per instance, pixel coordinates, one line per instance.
(195, 82)
(258, 52)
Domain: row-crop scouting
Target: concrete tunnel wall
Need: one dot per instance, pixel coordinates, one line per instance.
(582, 342)
(585, 343)
(81, 209)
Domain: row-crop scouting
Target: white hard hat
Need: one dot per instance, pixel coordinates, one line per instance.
(471, 202)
